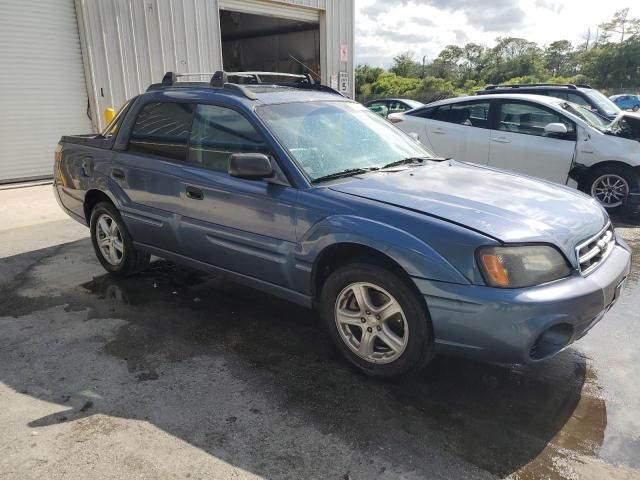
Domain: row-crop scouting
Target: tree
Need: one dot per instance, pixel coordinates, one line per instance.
(622, 25)
(405, 66)
(365, 76)
(390, 84)
(558, 55)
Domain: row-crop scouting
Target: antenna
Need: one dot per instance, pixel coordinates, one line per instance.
(304, 66)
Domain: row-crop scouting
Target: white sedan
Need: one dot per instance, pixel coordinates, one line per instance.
(540, 136)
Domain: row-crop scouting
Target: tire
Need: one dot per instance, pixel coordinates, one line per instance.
(127, 260)
(636, 108)
(617, 175)
(410, 326)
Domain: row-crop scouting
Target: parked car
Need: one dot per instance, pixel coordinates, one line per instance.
(386, 106)
(582, 95)
(540, 136)
(627, 102)
(310, 196)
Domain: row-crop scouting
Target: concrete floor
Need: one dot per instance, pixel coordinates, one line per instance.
(177, 374)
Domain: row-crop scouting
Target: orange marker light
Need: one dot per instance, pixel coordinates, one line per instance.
(495, 269)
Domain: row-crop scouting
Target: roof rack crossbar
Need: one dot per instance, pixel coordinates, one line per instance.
(220, 79)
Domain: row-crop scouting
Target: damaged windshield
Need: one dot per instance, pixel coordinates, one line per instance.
(593, 119)
(331, 140)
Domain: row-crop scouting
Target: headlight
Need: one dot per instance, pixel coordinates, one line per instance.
(521, 266)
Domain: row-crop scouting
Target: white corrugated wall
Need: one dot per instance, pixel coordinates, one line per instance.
(42, 85)
(129, 45)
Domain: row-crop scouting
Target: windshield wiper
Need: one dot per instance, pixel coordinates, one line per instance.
(406, 161)
(344, 173)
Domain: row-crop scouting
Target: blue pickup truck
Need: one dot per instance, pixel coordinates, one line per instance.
(295, 190)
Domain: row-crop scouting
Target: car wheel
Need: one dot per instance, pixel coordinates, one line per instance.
(112, 242)
(611, 185)
(636, 108)
(376, 320)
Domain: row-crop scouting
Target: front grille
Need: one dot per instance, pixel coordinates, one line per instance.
(592, 252)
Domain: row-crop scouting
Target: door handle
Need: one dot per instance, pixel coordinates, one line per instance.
(194, 193)
(117, 173)
(501, 140)
(439, 131)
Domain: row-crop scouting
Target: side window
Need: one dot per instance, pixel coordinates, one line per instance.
(396, 107)
(472, 114)
(530, 119)
(162, 129)
(218, 132)
(379, 107)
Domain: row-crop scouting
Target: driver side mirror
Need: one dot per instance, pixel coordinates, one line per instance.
(556, 130)
(252, 166)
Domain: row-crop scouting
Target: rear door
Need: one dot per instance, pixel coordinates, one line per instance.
(146, 171)
(461, 131)
(519, 143)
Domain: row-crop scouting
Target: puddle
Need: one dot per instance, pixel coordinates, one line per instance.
(542, 421)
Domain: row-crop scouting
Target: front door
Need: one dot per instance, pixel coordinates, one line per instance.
(246, 226)
(519, 142)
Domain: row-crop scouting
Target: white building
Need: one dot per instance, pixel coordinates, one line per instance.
(64, 61)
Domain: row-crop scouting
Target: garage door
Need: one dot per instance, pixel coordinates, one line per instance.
(282, 10)
(42, 87)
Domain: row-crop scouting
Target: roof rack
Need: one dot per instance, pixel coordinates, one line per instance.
(570, 86)
(220, 79)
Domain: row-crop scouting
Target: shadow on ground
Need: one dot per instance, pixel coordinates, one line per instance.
(248, 378)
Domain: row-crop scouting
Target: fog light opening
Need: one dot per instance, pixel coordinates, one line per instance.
(551, 341)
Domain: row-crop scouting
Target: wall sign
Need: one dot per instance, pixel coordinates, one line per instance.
(344, 53)
(343, 82)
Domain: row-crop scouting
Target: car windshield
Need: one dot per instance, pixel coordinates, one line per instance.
(593, 119)
(603, 103)
(327, 138)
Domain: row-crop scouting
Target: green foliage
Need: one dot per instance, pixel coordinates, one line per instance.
(405, 66)
(390, 84)
(610, 62)
(365, 76)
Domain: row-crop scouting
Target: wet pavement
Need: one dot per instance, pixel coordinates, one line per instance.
(177, 374)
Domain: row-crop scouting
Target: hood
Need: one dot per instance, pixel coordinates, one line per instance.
(503, 205)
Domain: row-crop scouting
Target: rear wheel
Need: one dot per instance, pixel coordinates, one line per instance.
(611, 185)
(376, 320)
(113, 244)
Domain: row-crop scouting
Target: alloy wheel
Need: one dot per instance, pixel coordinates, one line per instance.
(610, 190)
(110, 240)
(371, 323)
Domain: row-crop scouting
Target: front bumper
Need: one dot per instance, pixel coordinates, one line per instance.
(508, 326)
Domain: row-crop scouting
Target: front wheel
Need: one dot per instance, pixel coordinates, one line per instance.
(376, 320)
(113, 244)
(611, 185)
(636, 108)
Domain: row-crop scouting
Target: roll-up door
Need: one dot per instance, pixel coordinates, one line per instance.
(42, 85)
(282, 10)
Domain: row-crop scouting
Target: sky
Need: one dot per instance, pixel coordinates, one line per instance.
(385, 28)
